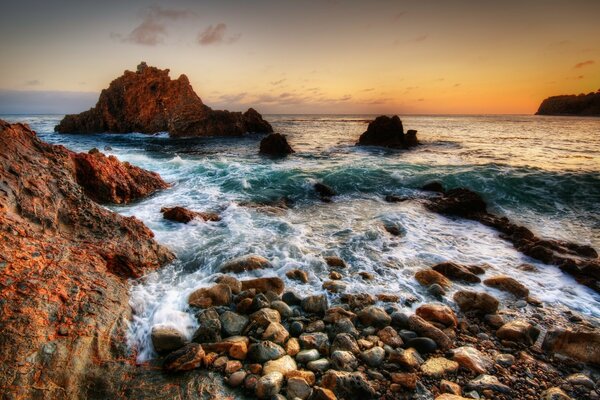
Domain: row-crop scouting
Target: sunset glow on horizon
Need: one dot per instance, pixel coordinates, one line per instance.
(404, 57)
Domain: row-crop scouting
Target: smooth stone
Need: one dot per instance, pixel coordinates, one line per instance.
(237, 378)
(316, 304)
(265, 351)
(166, 339)
(487, 382)
(343, 360)
(282, 365)
(298, 388)
(233, 324)
(291, 299)
(506, 360)
(423, 345)
(519, 331)
(296, 328)
(306, 356)
(284, 310)
(321, 365)
(374, 316)
(554, 393)
(472, 359)
(580, 379)
(374, 356)
(269, 385)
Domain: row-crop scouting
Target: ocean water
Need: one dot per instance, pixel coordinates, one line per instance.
(542, 172)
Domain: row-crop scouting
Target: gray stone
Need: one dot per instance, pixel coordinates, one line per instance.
(374, 356)
(265, 351)
(306, 356)
(233, 324)
(343, 360)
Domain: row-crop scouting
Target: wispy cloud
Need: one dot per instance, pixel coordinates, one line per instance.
(215, 34)
(584, 64)
(421, 38)
(153, 28)
(398, 15)
(278, 82)
(33, 82)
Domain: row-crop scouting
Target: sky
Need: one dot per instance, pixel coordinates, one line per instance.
(328, 56)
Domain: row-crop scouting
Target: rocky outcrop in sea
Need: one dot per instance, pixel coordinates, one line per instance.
(149, 101)
(388, 132)
(581, 105)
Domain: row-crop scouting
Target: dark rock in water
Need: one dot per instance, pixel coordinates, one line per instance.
(581, 105)
(233, 323)
(392, 198)
(107, 180)
(183, 215)
(297, 275)
(148, 101)
(209, 331)
(423, 345)
(388, 132)
(324, 191)
(460, 202)
(434, 186)
(187, 358)
(166, 339)
(456, 272)
(291, 299)
(316, 304)
(246, 263)
(275, 144)
(334, 261)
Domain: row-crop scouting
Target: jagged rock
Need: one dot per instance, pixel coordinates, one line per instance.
(298, 388)
(409, 358)
(183, 215)
(456, 272)
(148, 101)
(345, 342)
(265, 316)
(107, 180)
(438, 367)
(186, 358)
(315, 340)
(450, 387)
(276, 333)
(343, 360)
(581, 105)
(320, 393)
(508, 284)
(246, 263)
(282, 365)
(388, 132)
(460, 202)
(519, 331)
(234, 284)
(348, 385)
(476, 301)
(325, 192)
(233, 324)
(166, 339)
(275, 144)
(374, 356)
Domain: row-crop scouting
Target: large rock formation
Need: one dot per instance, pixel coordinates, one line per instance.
(148, 101)
(388, 132)
(583, 105)
(64, 266)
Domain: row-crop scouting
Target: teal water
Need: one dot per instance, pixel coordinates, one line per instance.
(542, 172)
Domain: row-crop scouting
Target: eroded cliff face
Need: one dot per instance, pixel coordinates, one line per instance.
(149, 101)
(64, 266)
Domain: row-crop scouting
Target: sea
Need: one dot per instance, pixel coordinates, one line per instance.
(541, 172)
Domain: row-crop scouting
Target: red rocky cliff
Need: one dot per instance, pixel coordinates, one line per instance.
(148, 101)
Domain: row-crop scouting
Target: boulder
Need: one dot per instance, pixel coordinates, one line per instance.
(275, 144)
(581, 345)
(297, 275)
(148, 101)
(508, 284)
(186, 358)
(519, 331)
(183, 215)
(479, 302)
(263, 285)
(427, 277)
(388, 132)
(234, 284)
(458, 202)
(166, 339)
(456, 272)
(374, 316)
(437, 313)
(217, 295)
(325, 192)
(245, 263)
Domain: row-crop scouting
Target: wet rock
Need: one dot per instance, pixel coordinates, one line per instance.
(581, 345)
(334, 275)
(291, 299)
(345, 342)
(343, 360)
(246, 263)
(423, 345)
(264, 317)
(392, 198)
(519, 331)
(282, 365)
(424, 328)
(506, 360)
(393, 229)
(554, 393)
(334, 261)
(476, 301)
(183, 215)
(456, 272)
(276, 333)
(458, 202)
(335, 286)
(298, 388)
(269, 385)
(232, 323)
(292, 347)
(275, 144)
(409, 358)
(232, 366)
(308, 376)
(434, 186)
(374, 316)
(259, 301)
(166, 339)
(149, 101)
(263, 285)
(209, 331)
(407, 380)
(389, 336)
(374, 356)
(264, 351)
(580, 379)
(319, 365)
(316, 340)
(217, 295)
(472, 359)
(320, 393)
(437, 313)
(450, 387)
(349, 385)
(439, 366)
(234, 284)
(237, 378)
(297, 275)
(399, 320)
(186, 358)
(336, 314)
(436, 290)
(325, 192)
(283, 309)
(487, 382)
(358, 301)
(508, 284)
(296, 328)
(239, 347)
(388, 132)
(494, 320)
(316, 304)
(428, 277)
(315, 326)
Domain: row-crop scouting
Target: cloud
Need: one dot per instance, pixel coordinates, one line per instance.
(584, 64)
(417, 39)
(399, 15)
(153, 29)
(420, 38)
(279, 82)
(368, 90)
(216, 35)
(33, 82)
(232, 98)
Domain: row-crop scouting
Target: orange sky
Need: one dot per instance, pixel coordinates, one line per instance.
(463, 57)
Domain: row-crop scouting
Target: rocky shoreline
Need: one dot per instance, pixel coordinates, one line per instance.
(66, 262)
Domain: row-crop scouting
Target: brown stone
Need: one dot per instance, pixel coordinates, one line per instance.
(405, 379)
(246, 263)
(263, 285)
(580, 345)
(183, 215)
(519, 331)
(334, 261)
(508, 284)
(424, 328)
(186, 358)
(297, 275)
(217, 295)
(456, 272)
(438, 313)
(427, 277)
(476, 301)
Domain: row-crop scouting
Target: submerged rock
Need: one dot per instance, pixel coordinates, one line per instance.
(427, 277)
(148, 101)
(275, 144)
(241, 264)
(456, 272)
(388, 132)
(508, 284)
(183, 215)
(325, 192)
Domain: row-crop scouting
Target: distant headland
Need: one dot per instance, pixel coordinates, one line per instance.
(581, 105)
